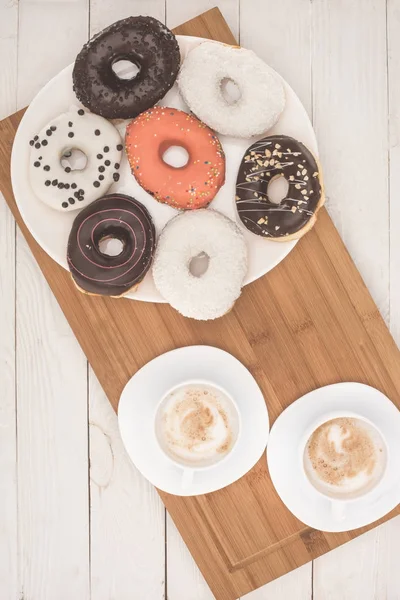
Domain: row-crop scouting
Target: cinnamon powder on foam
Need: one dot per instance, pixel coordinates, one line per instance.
(356, 452)
(199, 419)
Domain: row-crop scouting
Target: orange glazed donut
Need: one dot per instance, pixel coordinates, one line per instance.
(195, 184)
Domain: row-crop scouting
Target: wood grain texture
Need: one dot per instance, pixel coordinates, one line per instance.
(326, 328)
(9, 587)
(104, 13)
(8, 440)
(127, 517)
(280, 33)
(351, 122)
(56, 24)
(282, 42)
(363, 569)
(53, 503)
(393, 47)
(53, 506)
(185, 581)
(178, 12)
(296, 585)
(9, 56)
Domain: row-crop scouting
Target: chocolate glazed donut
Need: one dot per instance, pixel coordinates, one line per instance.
(265, 160)
(113, 216)
(144, 41)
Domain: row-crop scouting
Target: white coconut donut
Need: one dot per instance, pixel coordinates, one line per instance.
(60, 187)
(187, 236)
(262, 95)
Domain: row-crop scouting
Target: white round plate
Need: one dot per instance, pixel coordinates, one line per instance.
(284, 463)
(138, 404)
(51, 228)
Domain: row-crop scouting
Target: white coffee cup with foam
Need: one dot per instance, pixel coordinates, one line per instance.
(197, 425)
(343, 457)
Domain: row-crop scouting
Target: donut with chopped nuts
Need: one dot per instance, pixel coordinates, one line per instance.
(53, 181)
(265, 160)
(143, 41)
(189, 187)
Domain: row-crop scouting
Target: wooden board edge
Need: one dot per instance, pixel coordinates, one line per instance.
(311, 538)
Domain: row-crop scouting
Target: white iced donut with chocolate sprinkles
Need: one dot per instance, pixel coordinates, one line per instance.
(61, 187)
(187, 236)
(261, 92)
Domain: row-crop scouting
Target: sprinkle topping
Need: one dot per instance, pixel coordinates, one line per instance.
(189, 187)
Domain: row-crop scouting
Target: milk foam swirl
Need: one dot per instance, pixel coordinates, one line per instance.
(345, 456)
(197, 424)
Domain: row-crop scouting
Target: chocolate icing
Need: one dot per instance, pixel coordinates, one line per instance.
(117, 216)
(145, 42)
(272, 157)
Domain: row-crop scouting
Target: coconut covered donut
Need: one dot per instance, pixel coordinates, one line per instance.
(61, 187)
(262, 95)
(192, 234)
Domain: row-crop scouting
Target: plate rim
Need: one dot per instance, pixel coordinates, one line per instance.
(150, 296)
(204, 487)
(315, 500)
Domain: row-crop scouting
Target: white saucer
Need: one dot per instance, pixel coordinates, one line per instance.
(141, 395)
(51, 228)
(284, 464)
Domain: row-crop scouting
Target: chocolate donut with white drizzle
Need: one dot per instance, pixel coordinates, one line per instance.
(265, 160)
(114, 216)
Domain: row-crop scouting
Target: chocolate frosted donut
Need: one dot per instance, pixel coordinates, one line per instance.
(265, 160)
(144, 41)
(115, 216)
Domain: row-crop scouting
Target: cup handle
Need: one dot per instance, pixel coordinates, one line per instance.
(338, 510)
(187, 478)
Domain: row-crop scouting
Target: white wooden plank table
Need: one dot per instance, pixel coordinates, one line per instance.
(77, 521)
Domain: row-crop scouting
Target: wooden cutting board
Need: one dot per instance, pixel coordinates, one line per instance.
(308, 323)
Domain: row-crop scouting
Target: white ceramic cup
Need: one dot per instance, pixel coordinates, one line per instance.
(188, 472)
(339, 505)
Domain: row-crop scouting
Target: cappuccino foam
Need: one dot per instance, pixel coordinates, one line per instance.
(345, 457)
(197, 424)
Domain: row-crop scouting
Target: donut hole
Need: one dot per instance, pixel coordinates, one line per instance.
(175, 156)
(198, 265)
(277, 189)
(74, 158)
(125, 69)
(111, 246)
(230, 90)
